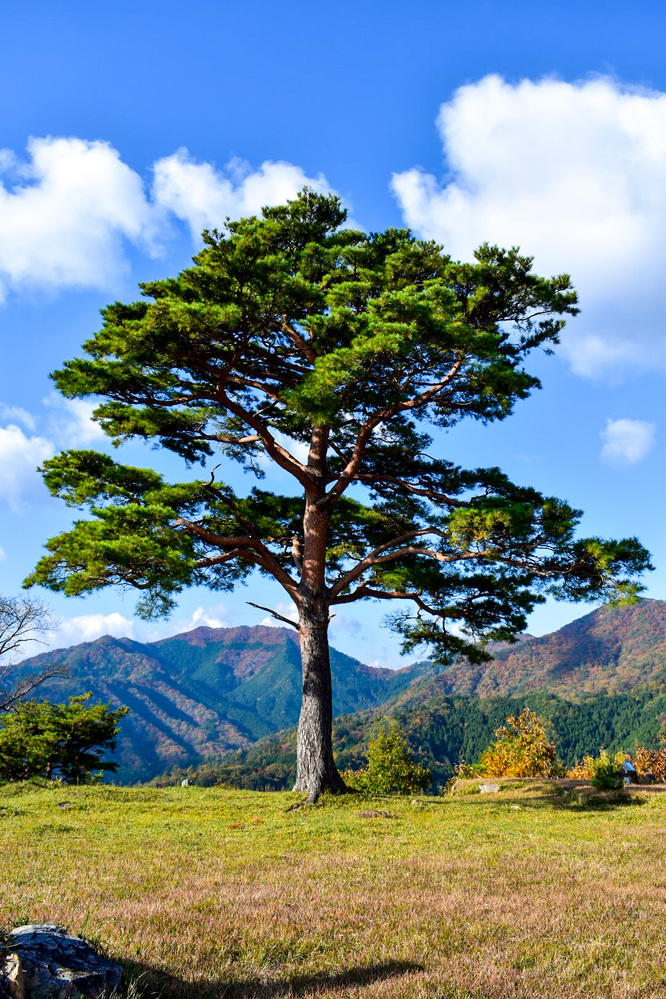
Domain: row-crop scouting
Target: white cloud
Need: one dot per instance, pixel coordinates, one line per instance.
(18, 415)
(63, 220)
(88, 627)
(91, 626)
(381, 664)
(627, 441)
(70, 421)
(211, 617)
(69, 211)
(575, 174)
(67, 424)
(19, 457)
(69, 631)
(204, 197)
(3, 554)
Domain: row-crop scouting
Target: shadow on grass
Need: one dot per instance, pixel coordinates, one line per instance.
(597, 801)
(581, 800)
(144, 982)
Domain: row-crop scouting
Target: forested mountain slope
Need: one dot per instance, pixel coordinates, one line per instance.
(613, 650)
(199, 694)
(599, 681)
(443, 729)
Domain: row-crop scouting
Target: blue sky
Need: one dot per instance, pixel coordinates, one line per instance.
(128, 127)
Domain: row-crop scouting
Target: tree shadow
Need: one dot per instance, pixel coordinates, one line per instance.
(582, 799)
(597, 801)
(142, 981)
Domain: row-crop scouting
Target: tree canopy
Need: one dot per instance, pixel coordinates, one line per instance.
(67, 741)
(291, 333)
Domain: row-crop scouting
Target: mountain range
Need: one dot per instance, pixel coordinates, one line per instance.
(598, 682)
(205, 693)
(611, 650)
(199, 694)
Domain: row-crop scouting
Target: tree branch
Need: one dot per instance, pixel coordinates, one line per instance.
(280, 455)
(245, 545)
(348, 474)
(228, 439)
(373, 557)
(206, 563)
(275, 614)
(25, 687)
(296, 338)
(21, 619)
(431, 494)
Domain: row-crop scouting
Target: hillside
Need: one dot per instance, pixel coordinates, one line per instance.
(599, 681)
(200, 694)
(443, 729)
(611, 650)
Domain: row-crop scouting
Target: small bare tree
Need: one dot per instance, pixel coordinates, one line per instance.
(22, 620)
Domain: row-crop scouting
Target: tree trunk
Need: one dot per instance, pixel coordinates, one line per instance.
(315, 769)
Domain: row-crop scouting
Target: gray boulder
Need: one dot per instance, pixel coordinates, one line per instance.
(45, 962)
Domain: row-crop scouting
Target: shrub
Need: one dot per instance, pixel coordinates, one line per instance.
(521, 749)
(390, 768)
(603, 772)
(606, 772)
(467, 771)
(651, 761)
(583, 770)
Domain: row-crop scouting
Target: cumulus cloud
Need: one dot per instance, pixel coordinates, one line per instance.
(573, 173)
(17, 415)
(627, 441)
(70, 421)
(69, 211)
(88, 627)
(68, 631)
(19, 457)
(203, 197)
(65, 213)
(381, 664)
(288, 610)
(211, 617)
(67, 423)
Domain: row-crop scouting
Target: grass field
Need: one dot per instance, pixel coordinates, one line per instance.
(204, 891)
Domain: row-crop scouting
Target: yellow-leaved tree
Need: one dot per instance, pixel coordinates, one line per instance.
(521, 749)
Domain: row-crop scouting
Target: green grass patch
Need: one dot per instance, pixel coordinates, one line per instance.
(535, 890)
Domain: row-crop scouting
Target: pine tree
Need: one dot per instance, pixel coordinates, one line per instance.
(290, 330)
(58, 740)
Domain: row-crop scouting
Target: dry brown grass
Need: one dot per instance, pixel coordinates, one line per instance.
(212, 892)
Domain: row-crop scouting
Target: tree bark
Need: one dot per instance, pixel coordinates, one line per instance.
(315, 768)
